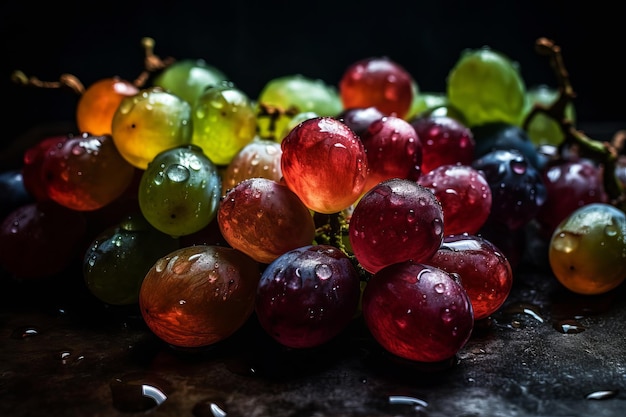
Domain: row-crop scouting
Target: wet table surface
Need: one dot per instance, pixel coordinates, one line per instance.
(546, 352)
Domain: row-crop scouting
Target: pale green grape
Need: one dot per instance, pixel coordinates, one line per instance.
(425, 101)
(292, 94)
(148, 123)
(189, 78)
(223, 122)
(295, 121)
(180, 191)
(486, 86)
(542, 129)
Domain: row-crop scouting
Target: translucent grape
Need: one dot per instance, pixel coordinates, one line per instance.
(223, 122)
(150, 122)
(189, 78)
(486, 86)
(180, 190)
(542, 129)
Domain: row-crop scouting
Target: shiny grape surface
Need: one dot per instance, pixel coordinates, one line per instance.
(264, 219)
(150, 122)
(464, 194)
(324, 163)
(199, 295)
(189, 78)
(486, 86)
(397, 220)
(379, 82)
(483, 270)
(418, 312)
(180, 190)
(223, 122)
(587, 251)
(308, 295)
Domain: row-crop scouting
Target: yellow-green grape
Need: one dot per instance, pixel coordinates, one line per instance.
(542, 129)
(150, 122)
(223, 122)
(188, 78)
(284, 97)
(486, 86)
(180, 190)
(587, 251)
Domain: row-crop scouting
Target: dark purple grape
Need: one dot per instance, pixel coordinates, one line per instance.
(307, 296)
(359, 119)
(501, 135)
(517, 188)
(13, 192)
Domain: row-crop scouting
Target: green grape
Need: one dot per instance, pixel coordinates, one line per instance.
(148, 123)
(284, 97)
(425, 101)
(179, 191)
(542, 129)
(189, 78)
(486, 86)
(295, 121)
(120, 257)
(223, 122)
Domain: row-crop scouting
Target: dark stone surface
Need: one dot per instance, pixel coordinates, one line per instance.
(87, 359)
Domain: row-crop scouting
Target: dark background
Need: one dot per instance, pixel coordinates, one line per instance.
(253, 42)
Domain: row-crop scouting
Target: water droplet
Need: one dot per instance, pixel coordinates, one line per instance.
(24, 332)
(323, 271)
(439, 288)
(568, 326)
(416, 403)
(566, 242)
(177, 173)
(602, 394)
(135, 393)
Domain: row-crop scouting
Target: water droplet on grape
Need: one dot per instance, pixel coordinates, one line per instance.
(611, 230)
(439, 288)
(566, 242)
(177, 173)
(161, 264)
(323, 271)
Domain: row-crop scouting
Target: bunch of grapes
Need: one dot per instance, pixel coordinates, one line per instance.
(313, 205)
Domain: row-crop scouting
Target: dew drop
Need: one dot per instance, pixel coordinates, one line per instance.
(177, 173)
(24, 332)
(602, 394)
(439, 288)
(565, 242)
(568, 326)
(323, 271)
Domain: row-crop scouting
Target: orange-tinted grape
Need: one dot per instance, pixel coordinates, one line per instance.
(264, 219)
(86, 173)
(325, 164)
(259, 158)
(99, 102)
(199, 295)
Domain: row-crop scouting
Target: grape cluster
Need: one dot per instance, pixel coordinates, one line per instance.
(311, 205)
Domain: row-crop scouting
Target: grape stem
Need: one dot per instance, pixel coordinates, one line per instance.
(273, 113)
(152, 62)
(68, 81)
(602, 152)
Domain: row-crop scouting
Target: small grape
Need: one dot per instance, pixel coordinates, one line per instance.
(499, 135)
(189, 78)
(32, 168)
(395, 221)
(150, 122)
(180, 190)
(360, 118)
(325, 164)
(99, 102)
(542, 129)
(307, 296)
(417, 312)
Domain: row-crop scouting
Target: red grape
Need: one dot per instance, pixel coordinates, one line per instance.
(397, 220)
(484, 271)
(464, 194)
(417, 312)
(325, 164)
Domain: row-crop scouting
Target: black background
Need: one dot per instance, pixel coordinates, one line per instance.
(253, 42)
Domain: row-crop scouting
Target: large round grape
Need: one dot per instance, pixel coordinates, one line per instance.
(150, 122)
(223, 121)
(486, 86)
(282, 98)
(325, 164)
(417, 312)
(587, 251)
(397, 220)
(307, 296)
(264, 219)
(189, 78)
(179, 192)
(99, 102)
(199, 295)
